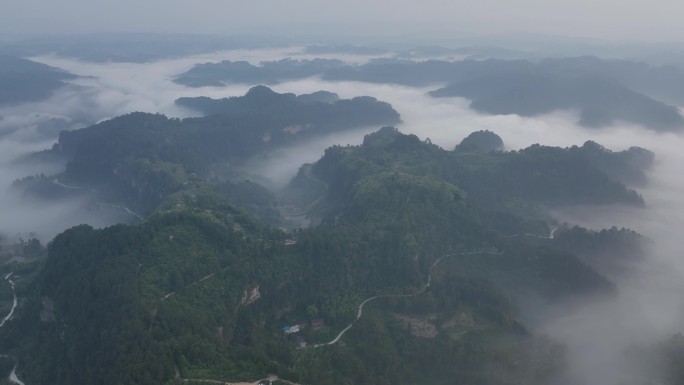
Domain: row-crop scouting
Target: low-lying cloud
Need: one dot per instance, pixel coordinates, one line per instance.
(647, 307)
(106, 90)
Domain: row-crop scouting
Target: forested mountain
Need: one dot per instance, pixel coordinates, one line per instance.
(604, 91)
(612, 251)
(387, 70)
(344, 49)
(659, 82)
(199, 290)
(481, 141)
(600, 101)
(23, 80)
(627, 166)
(319, 112)
(140, 158)
(127, 47)
(411, 271)
(439, 205)
(517, 180)
(216, 74)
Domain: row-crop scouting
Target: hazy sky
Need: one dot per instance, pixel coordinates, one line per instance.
(612, 19)
(110, 89)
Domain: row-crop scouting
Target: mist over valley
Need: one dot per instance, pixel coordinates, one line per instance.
(237, 210)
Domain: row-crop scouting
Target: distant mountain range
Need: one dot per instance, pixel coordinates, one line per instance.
(139, 158)
(603, 91)
(217, 74)
(23, 80)
(600, 102)
(394, 261)
(129, 47)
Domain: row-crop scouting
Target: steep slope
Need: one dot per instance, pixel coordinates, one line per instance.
(410, 271)
(217, 74)
(319, 112)
(138, 159)
(537, 175)
(23, 80)
(604, 91)
(600, 101)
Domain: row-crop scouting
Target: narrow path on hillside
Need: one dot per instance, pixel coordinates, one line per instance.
(172, 293)
(552, 232)
(169, 294)
(69, 187)
(359, 312)
(13, 375)
(126, 209)
(308, 208)
(270, 379)
(60, 184)
(8, 278)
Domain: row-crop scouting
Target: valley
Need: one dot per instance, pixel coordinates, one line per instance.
(273, 215)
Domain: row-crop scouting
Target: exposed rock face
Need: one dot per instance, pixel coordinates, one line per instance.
(419, 326)
(250, 296)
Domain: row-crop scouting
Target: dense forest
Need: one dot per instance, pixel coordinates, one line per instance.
(514, 180)
(601, 102)
(603, 91)
(442, 245)
(341, 193)
(215, 74)
(140, 158)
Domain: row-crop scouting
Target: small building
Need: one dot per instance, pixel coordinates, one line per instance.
(290, 329)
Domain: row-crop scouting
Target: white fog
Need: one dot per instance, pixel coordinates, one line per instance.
(647, 308)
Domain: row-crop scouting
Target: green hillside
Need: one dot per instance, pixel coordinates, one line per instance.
(423, 238)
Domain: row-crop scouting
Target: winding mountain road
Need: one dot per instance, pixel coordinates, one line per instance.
(268, 380)
(123, 208)
(66, 186)
(550, 236)
(8, 278)
(359, 312)
(308, 208)
(13, 376)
